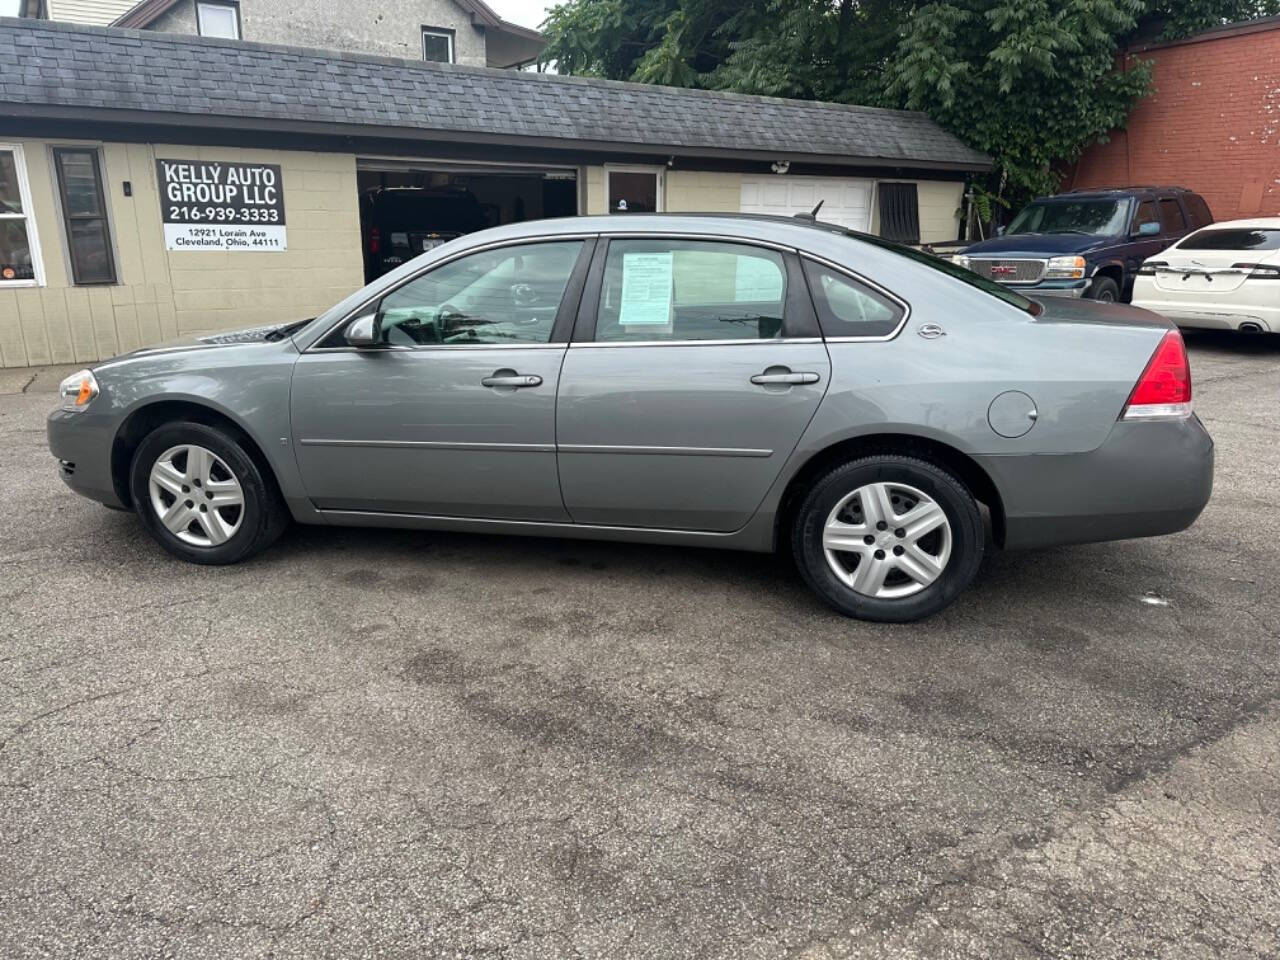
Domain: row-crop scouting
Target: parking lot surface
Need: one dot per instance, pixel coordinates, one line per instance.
(369, 744)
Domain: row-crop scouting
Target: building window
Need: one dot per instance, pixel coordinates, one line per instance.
(899, 212)
(218, 20)
(634, 189)
(437, 45)
(19, 251)
(84, 212)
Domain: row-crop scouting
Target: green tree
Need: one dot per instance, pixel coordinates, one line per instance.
(1030, 82)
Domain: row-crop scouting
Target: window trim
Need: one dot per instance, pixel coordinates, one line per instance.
(1137, 208)
(864, 281)
(798, 312)
(28, 216)
(99, 168)
(235, 9)
(659, 171)
(445, 32)
(558, 340)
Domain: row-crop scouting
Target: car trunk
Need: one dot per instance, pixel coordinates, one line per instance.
(1208, 272)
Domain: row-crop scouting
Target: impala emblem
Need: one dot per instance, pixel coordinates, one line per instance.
(931, 331)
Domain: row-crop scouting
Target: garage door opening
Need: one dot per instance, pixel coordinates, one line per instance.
(407, 210)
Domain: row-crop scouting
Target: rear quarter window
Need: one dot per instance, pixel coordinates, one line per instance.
(1199, 210)
(1233, 238)
(847, 308)
(1171, 218)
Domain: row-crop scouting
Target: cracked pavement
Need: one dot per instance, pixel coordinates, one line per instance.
(385, 744)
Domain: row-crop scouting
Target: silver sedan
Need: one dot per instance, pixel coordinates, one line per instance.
(724, 381)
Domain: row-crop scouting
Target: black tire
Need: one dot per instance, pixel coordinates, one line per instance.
(1104, 289)
(264, 516)
(967, 536)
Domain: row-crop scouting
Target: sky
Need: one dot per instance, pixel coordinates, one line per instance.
(527, 13)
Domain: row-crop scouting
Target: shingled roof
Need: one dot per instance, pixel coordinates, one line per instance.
(51, 70)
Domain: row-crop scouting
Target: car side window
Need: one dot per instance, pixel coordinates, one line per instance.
(847, 308)
(1171, 218)
(1199, 210)
(506, 296)
(665, 289)
(1146, 214)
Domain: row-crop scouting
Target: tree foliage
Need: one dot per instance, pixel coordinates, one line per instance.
(1030, 82)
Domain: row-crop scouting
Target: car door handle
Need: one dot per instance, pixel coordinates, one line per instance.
(516, 380)
(784, 378)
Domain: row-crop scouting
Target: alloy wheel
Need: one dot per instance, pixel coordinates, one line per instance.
(887, 540)
(196, 496)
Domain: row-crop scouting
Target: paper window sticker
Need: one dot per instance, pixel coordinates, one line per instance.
(647, 288)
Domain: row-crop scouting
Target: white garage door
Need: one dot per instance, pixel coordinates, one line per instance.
(844, 201)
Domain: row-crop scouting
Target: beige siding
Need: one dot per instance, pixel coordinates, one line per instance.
(162, 295)
(97, 12)
(695, 191)
(685, 191)
(713, 192)
(597, 201)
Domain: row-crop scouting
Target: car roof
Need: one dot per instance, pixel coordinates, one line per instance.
(1116, 192)
(748, 224)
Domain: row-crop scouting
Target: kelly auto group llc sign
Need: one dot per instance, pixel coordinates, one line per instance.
(210, 205)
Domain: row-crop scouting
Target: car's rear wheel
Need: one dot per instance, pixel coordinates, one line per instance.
(202, 496)
(1104, 289)
(888, 537)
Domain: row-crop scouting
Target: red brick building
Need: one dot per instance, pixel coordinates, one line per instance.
(1211, 122)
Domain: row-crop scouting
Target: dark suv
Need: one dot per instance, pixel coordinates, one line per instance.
(1087, 243)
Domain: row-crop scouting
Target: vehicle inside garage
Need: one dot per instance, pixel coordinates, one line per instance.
(407, 209)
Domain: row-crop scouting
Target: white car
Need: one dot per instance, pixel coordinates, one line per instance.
(1225, 276)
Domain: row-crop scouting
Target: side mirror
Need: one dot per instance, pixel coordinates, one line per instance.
(362, 332)
(1148, 229)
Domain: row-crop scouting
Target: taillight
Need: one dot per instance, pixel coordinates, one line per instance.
(375, 240)
(1259, 271)
(1148, 269)
(1164, 389)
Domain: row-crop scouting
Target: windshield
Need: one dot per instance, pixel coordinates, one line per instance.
(954, 271)
(1100, 218)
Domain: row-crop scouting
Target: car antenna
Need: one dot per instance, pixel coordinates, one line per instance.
(812, 215)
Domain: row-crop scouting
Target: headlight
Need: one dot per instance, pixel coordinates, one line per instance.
(1065, 268)
(78, 390)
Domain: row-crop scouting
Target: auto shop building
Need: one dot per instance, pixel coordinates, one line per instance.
(158, 185)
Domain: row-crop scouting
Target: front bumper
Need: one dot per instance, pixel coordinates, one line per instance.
(81, 443)
(1052, 288)
(1148, 479)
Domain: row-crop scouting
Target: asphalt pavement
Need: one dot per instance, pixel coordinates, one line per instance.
(392, 744)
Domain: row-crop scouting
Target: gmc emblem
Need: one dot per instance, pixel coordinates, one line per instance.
(1003, 270)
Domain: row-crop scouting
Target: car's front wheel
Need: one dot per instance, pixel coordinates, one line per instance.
(202, 496)
(888, 537)
(1104, 289)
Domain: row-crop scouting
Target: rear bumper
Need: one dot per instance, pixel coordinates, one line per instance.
(1214, 316)
(1148, 479)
